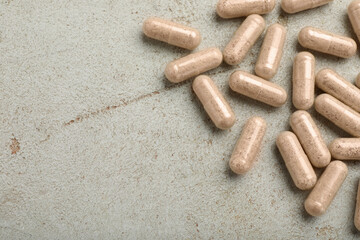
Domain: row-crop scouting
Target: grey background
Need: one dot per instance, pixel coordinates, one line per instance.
(96, 143)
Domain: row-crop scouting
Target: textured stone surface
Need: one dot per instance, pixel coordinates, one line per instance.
(96, 143)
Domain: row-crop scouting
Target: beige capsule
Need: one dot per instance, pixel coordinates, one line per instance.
(357, 82)
(335, 85)
(310, 138)
(326, 188)
(357, 210)
(345, 148)
(171, 33)
(354, 16)
(241, 8)
(271, 52)
(248, 145)
(327, 42)
(214, 103)
(294, 6)
(193, 65)
(296, 160)
(303, 81)
(257, 88)
(340, 114)
(243, 39)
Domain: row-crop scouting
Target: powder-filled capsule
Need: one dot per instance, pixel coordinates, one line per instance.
(327, 42)
(243, 39)
(257, 88)
(172, 33)
(354, 16)
(345, 148)
(335, 85)
(242, 8)
(310, 138)
(303, 81)
(271, 52)
(248, 145)
(294, 6)
(357, 209)
(326, 188)
(214, 103)
(193, 65)
(296, 160)
(340, 114)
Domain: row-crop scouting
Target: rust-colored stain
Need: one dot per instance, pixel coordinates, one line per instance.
(15, 145)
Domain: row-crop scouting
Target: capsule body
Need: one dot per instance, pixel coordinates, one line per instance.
(294, 6)
(332, 83)
(345, 148)
(326, 188)
(243, 39)
(248, 145)
(357, 210)
(327, 42)
(214, 103)
(193, 65)
(257, 88)
(172, 33)
(310, 138)
(303, 81)
(354, 16)
(296, 160)
(271, 52)
(242, 8)
(340, 114)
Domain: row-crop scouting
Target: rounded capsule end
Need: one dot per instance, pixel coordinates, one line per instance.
(239, 166)
(314, 208)
(172, 73)
(226, 122)
(352, 49)
(288, 6)
(335, 149)
(195, 39)
(222, 9)
(265, 71)
(353, 6)
(304, 36)
(307, 183)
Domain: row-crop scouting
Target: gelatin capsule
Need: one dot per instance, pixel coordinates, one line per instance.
(193, 65)
(326, 188)
(248, 145)
(327, 42)
(271, 52)
(171, 33)
(310, 138)
(354, 16)
(345, 148)
(340, 114)
(214, 103)
(333, 84)
(294, 6)
(257, 88)
(296, 160)
(243, 39)
(303, 81)
(242, 8)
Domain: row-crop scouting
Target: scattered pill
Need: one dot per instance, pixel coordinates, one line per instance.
(357, 209)
(243, 39)
(327, 42)
(171, 33)
(248, 145)
(310, 138)
(340, 114)
(333, 84)
(345, 148)
(294, 6)
(193, 65)
(242, 8)
(326, 188)
(303, 81)
(354, 16)
(296, 160)
(214, 103)
(257, 88)
(271, 52)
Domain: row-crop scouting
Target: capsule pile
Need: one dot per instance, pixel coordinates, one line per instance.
(304, 148)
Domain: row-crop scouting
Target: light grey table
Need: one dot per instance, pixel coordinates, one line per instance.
(97, 144)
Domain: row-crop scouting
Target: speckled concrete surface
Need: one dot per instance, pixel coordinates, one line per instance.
(97, 144)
